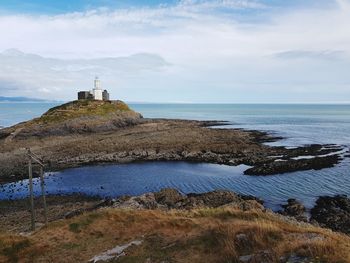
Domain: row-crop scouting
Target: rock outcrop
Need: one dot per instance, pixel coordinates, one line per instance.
(294, 209)
(283, 166)
(169, 198)
(333, 213)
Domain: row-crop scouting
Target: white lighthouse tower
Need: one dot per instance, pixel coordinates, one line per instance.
(97, 91)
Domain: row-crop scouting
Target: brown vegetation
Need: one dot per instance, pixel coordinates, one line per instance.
(201, 235)
(80, 108)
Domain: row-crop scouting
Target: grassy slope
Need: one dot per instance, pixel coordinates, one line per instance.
(80, 108)
(206, 235)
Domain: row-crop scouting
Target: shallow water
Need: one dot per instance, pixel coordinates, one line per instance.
(300, 124)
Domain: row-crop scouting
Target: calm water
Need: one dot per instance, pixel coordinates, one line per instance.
(300, 124)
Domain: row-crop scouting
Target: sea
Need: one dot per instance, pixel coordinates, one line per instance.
(298, 124)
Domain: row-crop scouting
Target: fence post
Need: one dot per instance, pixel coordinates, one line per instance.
(30, 171)
(43, 191)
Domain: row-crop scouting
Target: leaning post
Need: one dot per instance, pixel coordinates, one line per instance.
(43, 191)
(31, 195)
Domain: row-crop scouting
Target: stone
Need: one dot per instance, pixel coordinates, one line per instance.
(333, 213)
(245, 259)
(216, 198)
(294, 209)
(169, 197)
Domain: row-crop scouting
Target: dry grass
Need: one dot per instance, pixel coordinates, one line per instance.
(206, 235)
(80, 108)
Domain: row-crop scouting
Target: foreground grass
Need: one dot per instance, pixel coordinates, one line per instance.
(205, 235)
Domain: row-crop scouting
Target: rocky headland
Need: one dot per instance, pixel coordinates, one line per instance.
(92, 132)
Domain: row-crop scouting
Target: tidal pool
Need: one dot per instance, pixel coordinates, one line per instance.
(138, 178)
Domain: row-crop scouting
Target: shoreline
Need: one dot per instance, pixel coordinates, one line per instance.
(161, 140)
(16, 213)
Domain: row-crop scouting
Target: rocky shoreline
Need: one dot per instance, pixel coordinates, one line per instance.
(124, 136)
(328, 212)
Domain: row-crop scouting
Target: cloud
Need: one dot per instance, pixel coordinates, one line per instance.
(33, 74)
(8, 86)
(195, 50)
(230, 4)
(312, 55)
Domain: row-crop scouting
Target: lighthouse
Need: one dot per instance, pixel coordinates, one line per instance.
(97, 91)
(95, 94)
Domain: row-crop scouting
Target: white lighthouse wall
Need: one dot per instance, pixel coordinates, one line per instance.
(97, 84)
(97, 94)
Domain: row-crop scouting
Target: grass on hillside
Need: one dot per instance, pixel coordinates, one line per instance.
(80, 108)
(206, 235)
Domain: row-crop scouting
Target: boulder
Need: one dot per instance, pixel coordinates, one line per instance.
(168, 197)
(333, 213)
(145, 201)
(294, 209)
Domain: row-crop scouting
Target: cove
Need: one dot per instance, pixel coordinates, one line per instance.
(115, 180)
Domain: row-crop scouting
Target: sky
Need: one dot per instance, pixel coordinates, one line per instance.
(190, 51)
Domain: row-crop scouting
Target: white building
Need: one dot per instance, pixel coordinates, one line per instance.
(97, 91)
(95, 94)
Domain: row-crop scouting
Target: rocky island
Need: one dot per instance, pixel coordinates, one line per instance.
(91, 132)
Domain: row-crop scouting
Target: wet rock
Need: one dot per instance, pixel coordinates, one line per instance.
(291, 165)
(333, 213)
(312, 150)
(294, 209)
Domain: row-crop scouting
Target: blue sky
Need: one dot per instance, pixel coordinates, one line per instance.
(65, 6)
(245, 51)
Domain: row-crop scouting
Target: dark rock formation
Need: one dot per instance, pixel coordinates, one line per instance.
(292, 165)
(172, 199)
(333, 213)
(294, 209)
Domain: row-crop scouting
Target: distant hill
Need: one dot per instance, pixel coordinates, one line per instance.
(22, 99)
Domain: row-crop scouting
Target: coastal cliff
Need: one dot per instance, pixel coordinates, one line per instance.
(91, 132)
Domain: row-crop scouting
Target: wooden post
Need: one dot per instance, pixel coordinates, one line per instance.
(31, 195)
(43, 191)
